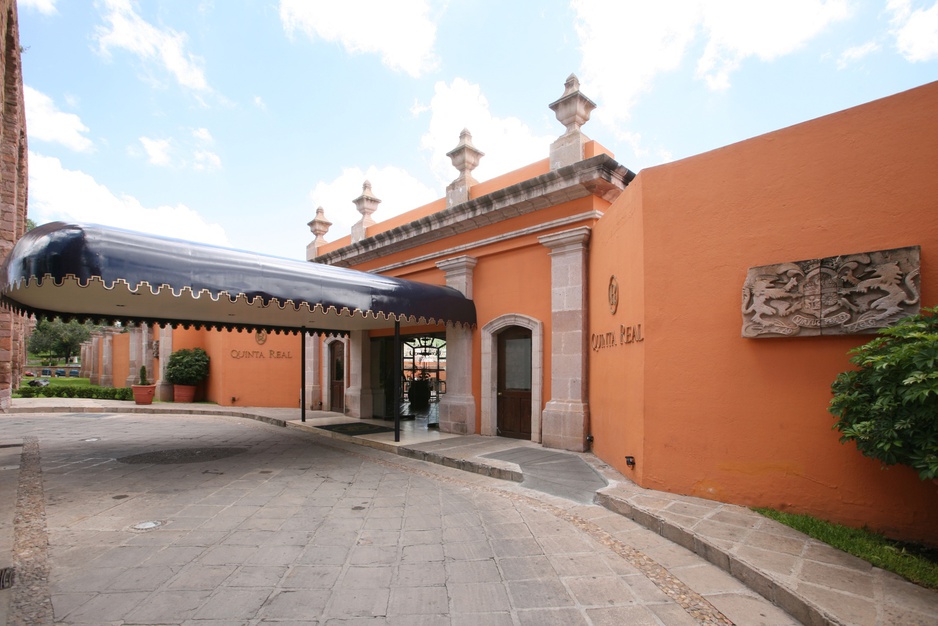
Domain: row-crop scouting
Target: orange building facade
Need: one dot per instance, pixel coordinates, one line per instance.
(609, 309)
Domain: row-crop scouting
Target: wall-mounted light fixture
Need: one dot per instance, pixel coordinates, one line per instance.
(630, 461)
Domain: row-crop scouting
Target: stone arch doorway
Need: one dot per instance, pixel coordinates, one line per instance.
(512, 326)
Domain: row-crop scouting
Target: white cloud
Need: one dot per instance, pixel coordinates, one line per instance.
(128, 31)
(203, 135)
(402, 32)
(739, 29)
(506, 141)
(206, 160)
(916, 31)
(259, 103)
(854, 54)
(398, 191)
(655, 37)
(46, 7)
(56, 193)
(44, 122)
(158, 150)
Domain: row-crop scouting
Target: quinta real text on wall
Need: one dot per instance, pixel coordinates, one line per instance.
(626, 335)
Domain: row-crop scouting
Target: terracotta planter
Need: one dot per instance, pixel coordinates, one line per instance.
(183, 393)
(143, 394)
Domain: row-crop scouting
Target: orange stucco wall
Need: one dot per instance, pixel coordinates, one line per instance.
(745, 420)
(244, 372)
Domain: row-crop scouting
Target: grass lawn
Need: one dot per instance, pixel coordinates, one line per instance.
(913, 562)
(62, 381)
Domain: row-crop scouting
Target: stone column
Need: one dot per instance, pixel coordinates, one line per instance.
(313, 391)
(164, 389)
(94, 368)
(358, 394)
(86, 360)
(135, 356)
(107, 358)
(565, 421)
(458, 406)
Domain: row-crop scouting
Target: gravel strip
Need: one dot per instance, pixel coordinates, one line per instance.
(31, 604)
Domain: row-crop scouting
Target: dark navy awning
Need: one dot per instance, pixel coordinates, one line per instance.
(106, 274)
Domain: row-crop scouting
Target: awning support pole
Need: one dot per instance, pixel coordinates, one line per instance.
(303, 374)
(397, 381)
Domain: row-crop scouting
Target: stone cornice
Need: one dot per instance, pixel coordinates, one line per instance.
(599, 176)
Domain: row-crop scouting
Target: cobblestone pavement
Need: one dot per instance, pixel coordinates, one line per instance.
(264, 525)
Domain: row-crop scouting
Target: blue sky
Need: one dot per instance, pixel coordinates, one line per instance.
(230, 121)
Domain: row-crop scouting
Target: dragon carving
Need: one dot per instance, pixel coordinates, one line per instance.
(835, 295)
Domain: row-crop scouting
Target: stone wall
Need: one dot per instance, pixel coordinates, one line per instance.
(13, 183)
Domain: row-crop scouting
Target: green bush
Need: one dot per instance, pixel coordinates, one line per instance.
(187, 367)
(889, 405)
(97, 393)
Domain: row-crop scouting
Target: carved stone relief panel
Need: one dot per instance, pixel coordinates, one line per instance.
(841, 295)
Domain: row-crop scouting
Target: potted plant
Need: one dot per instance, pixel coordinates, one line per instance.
(143, 391)
(186, 369)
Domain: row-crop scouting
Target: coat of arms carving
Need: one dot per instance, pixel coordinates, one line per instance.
(848, 294)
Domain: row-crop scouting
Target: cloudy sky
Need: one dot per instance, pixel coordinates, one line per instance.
(230, 121)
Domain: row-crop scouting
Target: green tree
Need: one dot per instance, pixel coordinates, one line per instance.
(57, 338)
(889, 405)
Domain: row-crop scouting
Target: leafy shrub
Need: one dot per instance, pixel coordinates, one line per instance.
(97, 393)
(187, 367)
(889, 406)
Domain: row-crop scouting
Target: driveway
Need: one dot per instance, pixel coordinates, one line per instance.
(201, 520)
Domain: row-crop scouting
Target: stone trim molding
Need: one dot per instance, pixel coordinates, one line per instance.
(490, 371)
(515, 234)
(600, 176)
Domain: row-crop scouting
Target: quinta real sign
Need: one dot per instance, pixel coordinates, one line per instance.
(626, 335)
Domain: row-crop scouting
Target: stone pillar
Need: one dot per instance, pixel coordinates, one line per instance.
(107, 357)
(458, 406)
(565, 421)
(573, 110)
(164, 389)
(134, 356)
(86, 360)
(465, 158)
(94, 370)
(358, 397)
(313, 391)
(366, 205)
(319, 227)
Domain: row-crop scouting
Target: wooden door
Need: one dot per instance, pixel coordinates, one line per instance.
(514, 383)
(337, 377)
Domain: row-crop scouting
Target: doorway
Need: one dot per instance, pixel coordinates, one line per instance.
(514, 383)
(337, 377)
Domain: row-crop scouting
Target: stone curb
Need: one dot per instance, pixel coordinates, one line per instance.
(772, 590)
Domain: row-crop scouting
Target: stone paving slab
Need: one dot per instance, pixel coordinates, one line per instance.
(811, 581)
(304, 529)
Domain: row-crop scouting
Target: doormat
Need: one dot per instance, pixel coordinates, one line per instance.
(356, 428)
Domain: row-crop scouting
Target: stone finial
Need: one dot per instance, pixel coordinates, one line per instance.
(319, 227)
(366, 204)
(465, 158)
(572, 110)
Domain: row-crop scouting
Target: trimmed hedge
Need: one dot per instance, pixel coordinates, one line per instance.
(97, 393)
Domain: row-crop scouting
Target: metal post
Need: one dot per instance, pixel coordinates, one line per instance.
(303, 374)
(397, 381)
